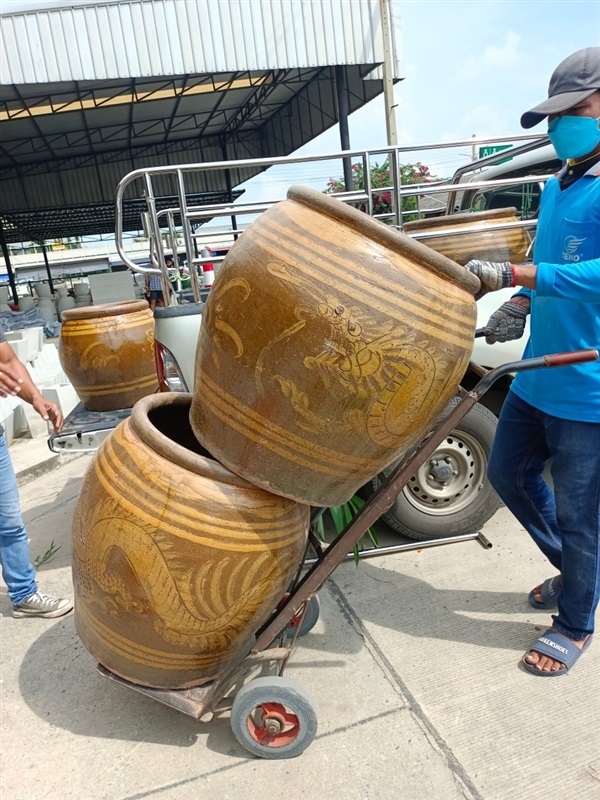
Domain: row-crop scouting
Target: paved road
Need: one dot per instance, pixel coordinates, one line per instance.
(413, 666)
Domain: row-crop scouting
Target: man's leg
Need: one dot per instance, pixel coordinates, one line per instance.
(575, 449)
(517, 461)
(17, 571)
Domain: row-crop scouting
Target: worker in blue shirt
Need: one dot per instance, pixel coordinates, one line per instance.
(555, 414)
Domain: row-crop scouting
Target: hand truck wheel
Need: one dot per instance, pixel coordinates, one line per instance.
(274, 717)
(310, 618)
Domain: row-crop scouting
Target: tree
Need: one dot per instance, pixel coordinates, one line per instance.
(380, 178)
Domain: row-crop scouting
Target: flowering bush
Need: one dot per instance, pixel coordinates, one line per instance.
(380, 178)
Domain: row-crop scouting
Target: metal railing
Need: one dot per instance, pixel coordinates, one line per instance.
(160, 225)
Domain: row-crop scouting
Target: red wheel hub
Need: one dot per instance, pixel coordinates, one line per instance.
(275, 727)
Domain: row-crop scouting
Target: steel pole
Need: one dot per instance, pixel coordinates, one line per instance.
(388, 82)
(229, 186)
(341, 88)
(9, 269)
(48, 272)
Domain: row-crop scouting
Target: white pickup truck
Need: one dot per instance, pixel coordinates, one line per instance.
(449, 494)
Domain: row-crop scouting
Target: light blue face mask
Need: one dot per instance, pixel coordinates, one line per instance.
(574, 137)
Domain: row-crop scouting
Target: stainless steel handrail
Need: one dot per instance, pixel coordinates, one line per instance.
(396, 189)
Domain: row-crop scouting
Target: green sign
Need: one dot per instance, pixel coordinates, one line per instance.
(490, 149)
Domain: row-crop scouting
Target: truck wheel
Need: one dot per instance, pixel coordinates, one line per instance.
(450, 493)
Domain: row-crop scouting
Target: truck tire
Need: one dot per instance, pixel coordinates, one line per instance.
(450, 494)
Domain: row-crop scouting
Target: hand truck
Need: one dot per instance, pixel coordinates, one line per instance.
(272, 716)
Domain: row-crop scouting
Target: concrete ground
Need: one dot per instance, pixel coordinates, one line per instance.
(413, 665)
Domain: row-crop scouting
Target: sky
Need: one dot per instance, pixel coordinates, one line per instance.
(471, 67)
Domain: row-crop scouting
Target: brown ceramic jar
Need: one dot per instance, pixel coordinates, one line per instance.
(494, 244)
(329, 344)
(176, 561)
(107, 352)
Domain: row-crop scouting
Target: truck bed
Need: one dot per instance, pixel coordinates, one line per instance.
(84, 431)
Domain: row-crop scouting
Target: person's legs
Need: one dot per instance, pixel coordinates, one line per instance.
(575, 449)
(17, 571)
(156, 299)
(565, 524)
(517, 461)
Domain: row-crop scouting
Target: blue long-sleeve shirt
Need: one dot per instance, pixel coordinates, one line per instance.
(565, 305)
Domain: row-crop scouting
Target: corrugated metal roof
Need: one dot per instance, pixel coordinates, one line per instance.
(141, 38)
(92, 90)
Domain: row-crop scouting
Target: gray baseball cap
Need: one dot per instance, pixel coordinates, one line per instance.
(575, 78)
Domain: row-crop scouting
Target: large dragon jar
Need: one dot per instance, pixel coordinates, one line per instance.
(107, 352)
(177, 562)
(329, 344)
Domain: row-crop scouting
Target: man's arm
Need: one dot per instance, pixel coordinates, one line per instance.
(579, 282)
(525, 275)
(15, 380)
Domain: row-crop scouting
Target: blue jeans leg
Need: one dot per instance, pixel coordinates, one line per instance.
(564, 523)
(17, 571)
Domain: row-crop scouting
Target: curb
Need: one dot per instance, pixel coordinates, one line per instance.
(42, 467)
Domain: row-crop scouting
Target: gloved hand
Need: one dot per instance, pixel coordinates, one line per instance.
(493, 275)
(508, 322)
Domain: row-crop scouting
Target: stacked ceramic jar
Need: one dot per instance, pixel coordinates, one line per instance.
(63, 299)
(483, 235)
(107, 352)
(46, 303)
(328, 344)
(83, 295)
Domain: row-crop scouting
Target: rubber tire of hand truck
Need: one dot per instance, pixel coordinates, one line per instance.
(283, 691)
(313, 612)
(418, 518)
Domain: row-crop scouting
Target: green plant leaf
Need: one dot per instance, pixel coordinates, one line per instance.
(51, 551)
(342, 516)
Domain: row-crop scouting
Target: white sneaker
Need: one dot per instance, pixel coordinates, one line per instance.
(42, 605)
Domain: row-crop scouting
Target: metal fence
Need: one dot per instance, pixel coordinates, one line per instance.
(161, 227)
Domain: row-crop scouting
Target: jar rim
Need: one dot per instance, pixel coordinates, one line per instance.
(389, 237)
(168, 448)
(106, 310)
(459, 219)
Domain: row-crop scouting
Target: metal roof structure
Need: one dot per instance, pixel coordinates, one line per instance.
(92, 218)
(92, 90)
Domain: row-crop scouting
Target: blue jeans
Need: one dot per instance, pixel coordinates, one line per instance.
(17, 572)
(564, 523)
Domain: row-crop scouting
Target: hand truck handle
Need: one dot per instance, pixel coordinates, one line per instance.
(555, 359)
(574, 357)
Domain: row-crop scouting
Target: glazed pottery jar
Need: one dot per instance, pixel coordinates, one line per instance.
(176, 561)
(329, 344)
(107, 352)
(493, 244)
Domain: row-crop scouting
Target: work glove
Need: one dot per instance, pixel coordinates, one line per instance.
(508, 322)
(493, 275)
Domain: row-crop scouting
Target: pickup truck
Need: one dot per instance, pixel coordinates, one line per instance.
(437, 501)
